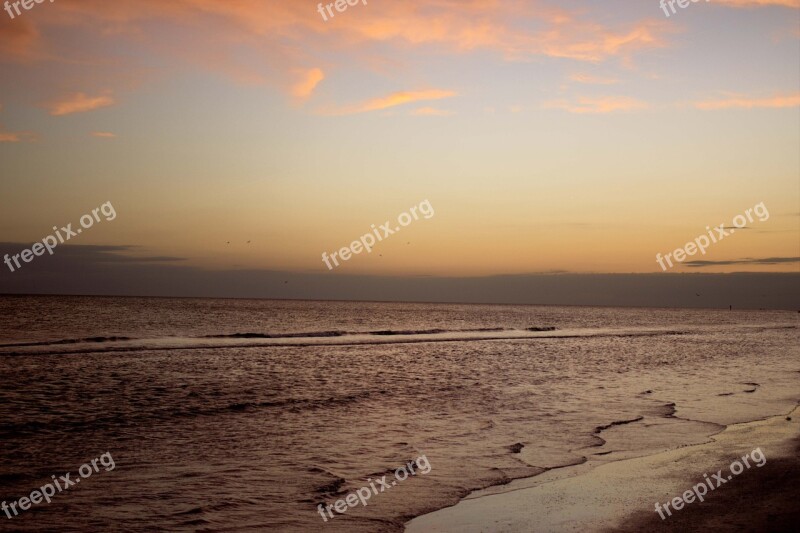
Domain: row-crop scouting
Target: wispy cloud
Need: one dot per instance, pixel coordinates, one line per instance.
(592, 80)
(20, 40)
(469, 26)
(744, 102)
(78, 103)
(15, 136)
(431, 112)
(747, 261)
(93, 253)
(104, 134)
(263, 41)
(302, 90)
(760, 3)
(393, 100)
(598, 105)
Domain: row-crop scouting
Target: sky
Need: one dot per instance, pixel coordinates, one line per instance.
(251, 136)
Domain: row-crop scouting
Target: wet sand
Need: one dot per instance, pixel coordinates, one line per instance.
(621, 495)
(767, 499)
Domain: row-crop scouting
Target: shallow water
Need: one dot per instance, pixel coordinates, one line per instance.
(244, 414)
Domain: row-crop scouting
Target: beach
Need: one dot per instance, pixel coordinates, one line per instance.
(619, 496)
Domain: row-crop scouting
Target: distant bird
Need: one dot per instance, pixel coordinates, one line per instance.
(696, 294)
(285, 282)
(229, 242)
(248, 242)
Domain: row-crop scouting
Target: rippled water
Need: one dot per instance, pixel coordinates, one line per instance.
(245, 414)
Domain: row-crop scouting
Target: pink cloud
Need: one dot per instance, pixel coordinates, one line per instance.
(392, 100)
(303, 89)
(744, 102)
(468, 26)
(20, 40)
(760, 3)
(15, 136)
(598, 105)
(262, 41)
(78, 103)
(592, 79)
(431, 112)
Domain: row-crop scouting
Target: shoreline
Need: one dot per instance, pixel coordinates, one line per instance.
(619, 495)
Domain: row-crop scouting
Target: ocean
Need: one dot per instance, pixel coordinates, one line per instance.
(244, 415)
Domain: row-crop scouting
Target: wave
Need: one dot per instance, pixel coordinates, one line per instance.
(110, 344)
(600, 429)
(436, 331)
(310, 335)
(68, 341)
(300, 340)
(198, 407)
(296, 404)
(332, 489)
(253, 335)
(384, 332)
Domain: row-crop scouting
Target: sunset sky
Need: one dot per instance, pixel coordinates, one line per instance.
(581, 137)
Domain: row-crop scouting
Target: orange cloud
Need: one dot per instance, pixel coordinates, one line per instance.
(15, 136)
(468, 26)
(759, 3)
(749, 103)
(262, 41)
(394, 99)
(303, 89)
(431, 112)
(104, 134)
(20, 40)
(78, 103)
(604, 104)
(592, 80)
